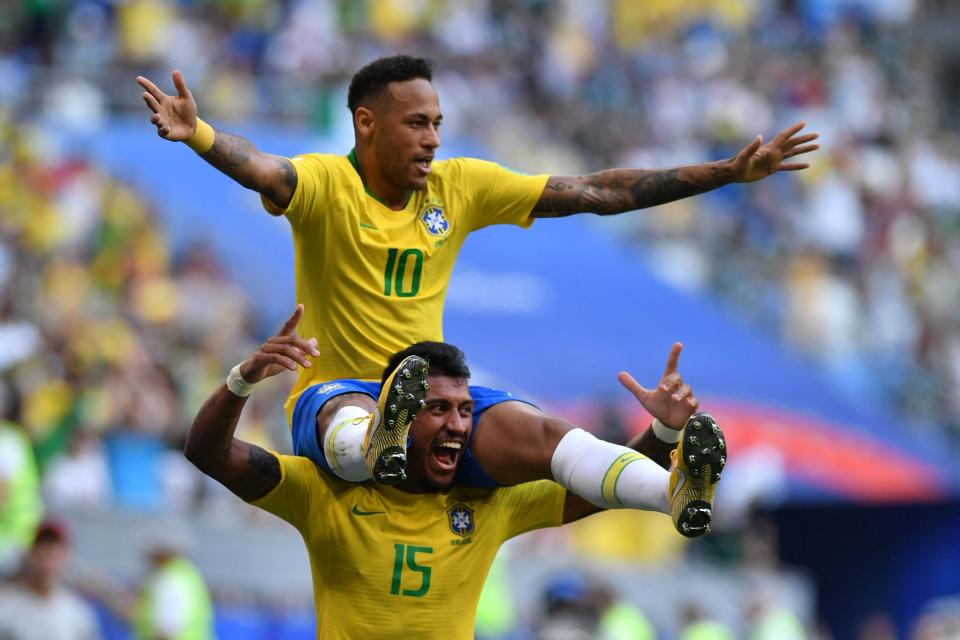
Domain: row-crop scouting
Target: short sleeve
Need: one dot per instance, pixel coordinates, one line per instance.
(502, 196)
(313, 186)
(532, 505)
(300, 485)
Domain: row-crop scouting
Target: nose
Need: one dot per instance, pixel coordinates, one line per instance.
(431, 139)
(458, 425)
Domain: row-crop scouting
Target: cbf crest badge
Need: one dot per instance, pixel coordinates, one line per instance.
(434, 220)
(460, 517)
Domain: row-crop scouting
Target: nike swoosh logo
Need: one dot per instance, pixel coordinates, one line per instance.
(676, 490)
(356, 511)
(368, 226)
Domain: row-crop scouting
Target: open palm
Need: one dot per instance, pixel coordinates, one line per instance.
(758, 160)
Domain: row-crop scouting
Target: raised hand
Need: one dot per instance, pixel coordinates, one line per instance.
(672, 401)
(174, 116)
(758, 160)
(284, 351)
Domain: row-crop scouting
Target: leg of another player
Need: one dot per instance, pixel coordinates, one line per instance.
(362, 438)
(515, 442)
(342, 425)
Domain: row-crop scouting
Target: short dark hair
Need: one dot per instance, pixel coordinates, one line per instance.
(373, 79)
(445, 360)
(51, 532)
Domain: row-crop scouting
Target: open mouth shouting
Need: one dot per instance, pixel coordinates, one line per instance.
(446, 454)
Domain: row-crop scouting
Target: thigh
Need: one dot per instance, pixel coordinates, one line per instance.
(514, 442)
(320, 402)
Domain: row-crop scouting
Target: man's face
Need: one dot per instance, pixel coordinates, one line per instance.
(439, 435)
(46, 561)
(406, 132)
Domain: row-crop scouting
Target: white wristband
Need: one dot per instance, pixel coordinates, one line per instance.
(665, 433)
(237, 385)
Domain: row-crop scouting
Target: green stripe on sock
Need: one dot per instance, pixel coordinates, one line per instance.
(608, 487)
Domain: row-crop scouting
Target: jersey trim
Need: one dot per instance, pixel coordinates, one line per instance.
(352, 157)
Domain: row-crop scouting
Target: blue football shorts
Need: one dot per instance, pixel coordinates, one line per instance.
(304, 428)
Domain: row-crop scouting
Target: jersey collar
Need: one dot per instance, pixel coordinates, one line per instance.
(352, 157)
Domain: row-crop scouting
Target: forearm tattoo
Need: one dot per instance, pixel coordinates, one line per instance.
(619, 190)
(260, 477)
(229, 153)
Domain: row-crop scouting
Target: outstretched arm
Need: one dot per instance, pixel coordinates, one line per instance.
(176, 119)
(619, 190)
(247, 470)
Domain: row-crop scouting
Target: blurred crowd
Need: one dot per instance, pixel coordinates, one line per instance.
(110, 338)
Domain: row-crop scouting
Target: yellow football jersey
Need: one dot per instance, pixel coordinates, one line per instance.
(391, 564)
(373, 280)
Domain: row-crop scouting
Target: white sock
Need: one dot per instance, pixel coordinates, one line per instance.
(343, 443)
(609, 475)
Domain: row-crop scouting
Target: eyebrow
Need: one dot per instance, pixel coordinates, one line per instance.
(422, 116)
(444, 401)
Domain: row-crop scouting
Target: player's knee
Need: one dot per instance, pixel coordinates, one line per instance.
(332, 406)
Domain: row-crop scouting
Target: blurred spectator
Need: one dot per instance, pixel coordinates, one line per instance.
(78, 477)
(37, 605)
(174, 603)
(20, 503)
(696, 625)
(768, 620)
(569, 613)
(618, 619)
(574, 608)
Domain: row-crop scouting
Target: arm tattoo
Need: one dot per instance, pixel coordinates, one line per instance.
(273, 176)
(619, 190)
(229, 153)
(289, 173)
(260, 477)
(288, 177)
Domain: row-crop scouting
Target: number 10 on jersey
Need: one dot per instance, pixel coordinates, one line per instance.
(398, 263)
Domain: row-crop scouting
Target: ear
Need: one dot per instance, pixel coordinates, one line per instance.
(363, 121)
